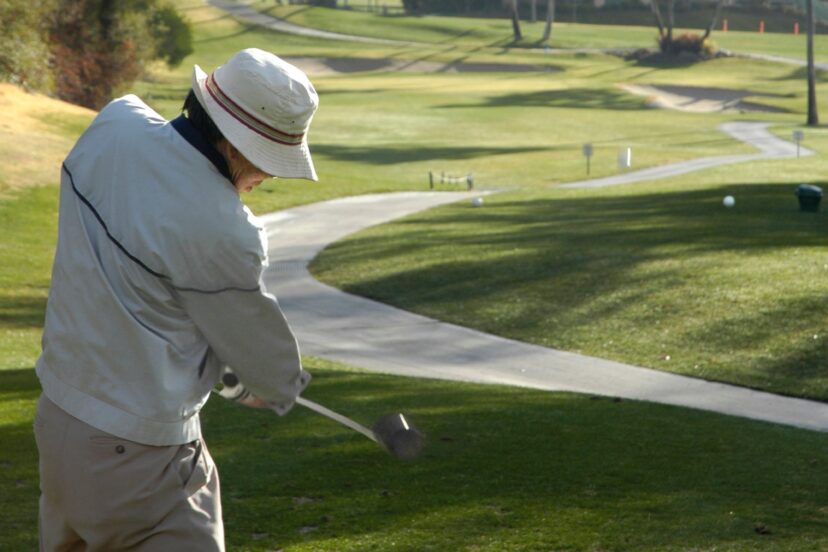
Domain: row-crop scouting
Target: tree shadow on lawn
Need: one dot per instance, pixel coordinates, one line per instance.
(511, 465)
(390, 155)
(499, 463)
(573, 98)
(246, 29)
(19, 482)
(551, 267)
(801, 74)
(22, 311)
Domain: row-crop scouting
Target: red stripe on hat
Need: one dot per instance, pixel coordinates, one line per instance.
(240, 114)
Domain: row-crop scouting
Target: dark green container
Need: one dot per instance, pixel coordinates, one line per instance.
(809, 197)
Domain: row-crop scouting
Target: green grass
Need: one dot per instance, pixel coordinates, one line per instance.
(655, 274)
(385, 131)
(503, 469)
(497, 32)
(508, 469)
(28, 225)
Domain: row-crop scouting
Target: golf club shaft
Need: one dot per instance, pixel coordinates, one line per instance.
(319, 409)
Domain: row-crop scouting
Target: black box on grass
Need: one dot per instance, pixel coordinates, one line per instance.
(809, 197)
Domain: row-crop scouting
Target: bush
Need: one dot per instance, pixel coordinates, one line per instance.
(100, 46)
(172, 35)
(687, 43)
(24, 46)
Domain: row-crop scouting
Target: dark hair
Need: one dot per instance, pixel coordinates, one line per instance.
(201, 120)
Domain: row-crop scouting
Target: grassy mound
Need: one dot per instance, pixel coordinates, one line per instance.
(37, 133)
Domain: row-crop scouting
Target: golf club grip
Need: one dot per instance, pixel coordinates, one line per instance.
(319, 409)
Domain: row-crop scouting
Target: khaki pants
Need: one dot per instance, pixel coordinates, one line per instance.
(103, 493)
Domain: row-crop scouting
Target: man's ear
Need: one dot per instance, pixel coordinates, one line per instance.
(228, 150)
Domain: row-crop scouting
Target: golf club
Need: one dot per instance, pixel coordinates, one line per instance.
(393, 432)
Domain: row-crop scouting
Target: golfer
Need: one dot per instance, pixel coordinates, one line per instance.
(156, 288)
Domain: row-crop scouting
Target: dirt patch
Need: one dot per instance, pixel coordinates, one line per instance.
(330, 66)
(696, 99)
(36, 132)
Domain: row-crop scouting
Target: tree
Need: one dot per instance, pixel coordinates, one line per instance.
(715, 21)
(550, 19)
(173, 38)
(813, 117)
(687, 42)
(515, 20)
(24, 44)
(101, 46)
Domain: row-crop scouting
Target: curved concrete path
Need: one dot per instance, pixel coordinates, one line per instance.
(753, 133)
(332, 324)
(245, 13)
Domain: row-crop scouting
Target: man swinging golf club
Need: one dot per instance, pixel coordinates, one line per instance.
(156, 287)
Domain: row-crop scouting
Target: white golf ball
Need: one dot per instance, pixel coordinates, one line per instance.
(728, 201)
(477, 202)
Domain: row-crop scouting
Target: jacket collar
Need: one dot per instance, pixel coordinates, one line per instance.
(186, 129)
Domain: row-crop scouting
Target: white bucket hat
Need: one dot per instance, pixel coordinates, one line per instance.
(263, 106)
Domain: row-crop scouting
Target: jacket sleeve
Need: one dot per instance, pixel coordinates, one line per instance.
(244, 325)
(249, 333)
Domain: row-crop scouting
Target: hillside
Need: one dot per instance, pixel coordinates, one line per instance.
(36, 132)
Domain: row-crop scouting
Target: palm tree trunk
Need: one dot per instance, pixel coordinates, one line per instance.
(813, 117)
(534, 10)
(671, 19)
(716, 15)
(516, 21)
(657, 14)
(550, 19)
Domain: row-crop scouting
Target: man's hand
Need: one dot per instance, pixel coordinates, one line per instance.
(234, 390)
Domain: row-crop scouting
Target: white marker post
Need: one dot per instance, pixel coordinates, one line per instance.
(588, 154)
(798, 136)
(625, 158)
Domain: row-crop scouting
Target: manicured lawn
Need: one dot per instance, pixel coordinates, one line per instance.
(497, 33)
(503, 469)
(656, 274)
(385, 131)
(635, 273)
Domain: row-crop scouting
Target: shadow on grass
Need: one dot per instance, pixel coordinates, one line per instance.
(801, 74)
(525, 469)
(575, 98)
(552, 270)
(390, 155)
(19, 481)
(246, 28)
(19, 312)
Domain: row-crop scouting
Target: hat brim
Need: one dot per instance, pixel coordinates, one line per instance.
(283, 161)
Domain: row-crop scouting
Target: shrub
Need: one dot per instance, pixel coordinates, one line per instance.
(687, 43)
(24, 47)
(100, 46)
(172, 35)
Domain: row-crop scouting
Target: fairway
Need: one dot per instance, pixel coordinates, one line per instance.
(503, 469)
(656, 274)
(495, 33)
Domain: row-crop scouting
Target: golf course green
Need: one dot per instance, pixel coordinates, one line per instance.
(658, 274)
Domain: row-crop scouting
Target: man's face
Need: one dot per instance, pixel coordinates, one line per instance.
(244, 174)
(248, 177)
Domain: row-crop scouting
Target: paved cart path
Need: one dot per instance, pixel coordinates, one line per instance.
(247, 14)
(754, 133)
(333, 324)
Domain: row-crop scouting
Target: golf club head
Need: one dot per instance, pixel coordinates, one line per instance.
(398, 437)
